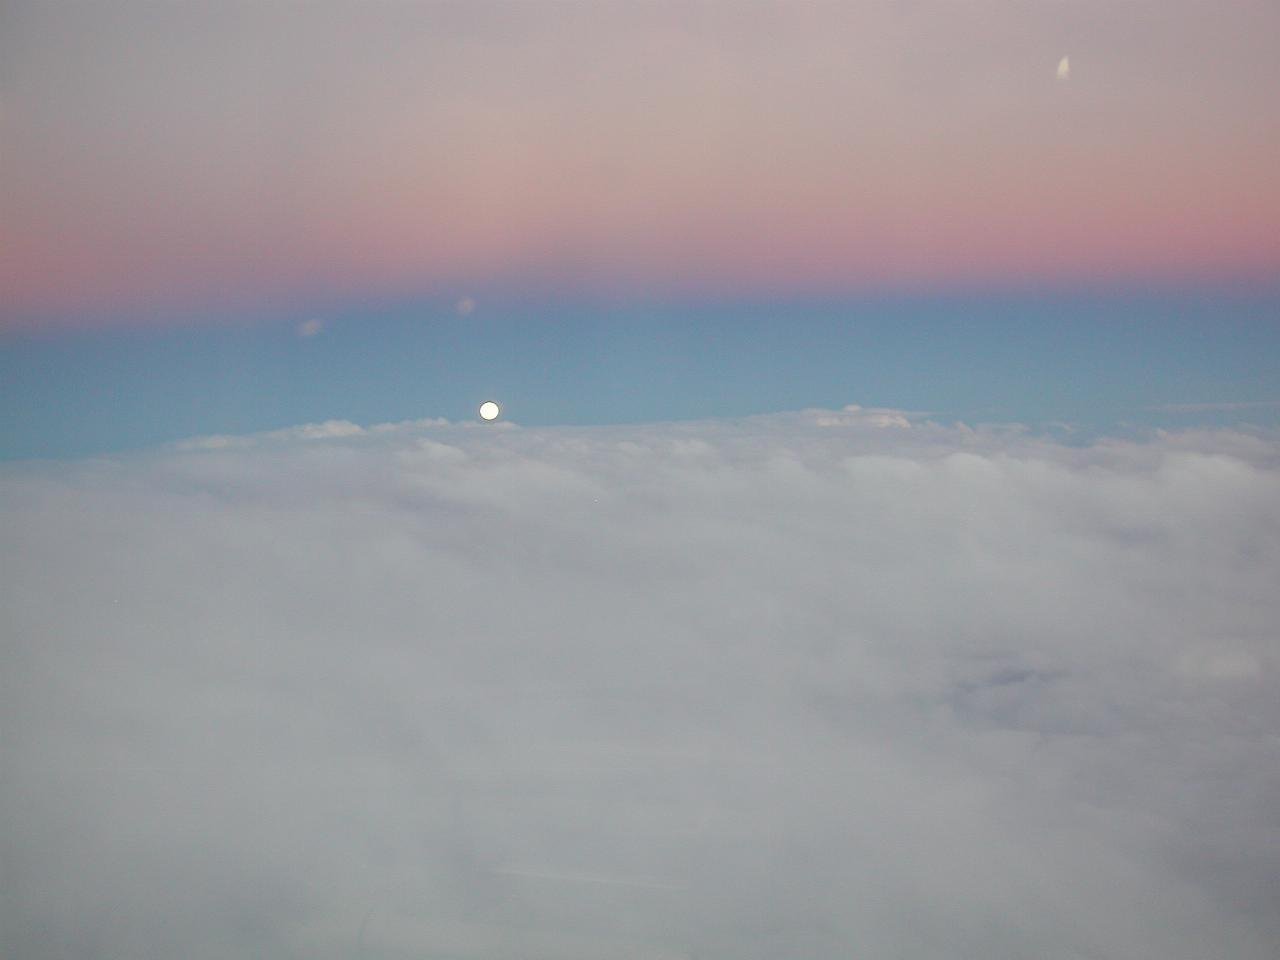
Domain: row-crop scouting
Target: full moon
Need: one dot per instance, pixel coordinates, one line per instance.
(489, 410)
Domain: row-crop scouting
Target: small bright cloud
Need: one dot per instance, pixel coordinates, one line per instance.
(309, 328)
(1064, 68)
(326, 430)
(854, 415)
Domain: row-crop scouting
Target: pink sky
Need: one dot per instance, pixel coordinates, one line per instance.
(165, 157)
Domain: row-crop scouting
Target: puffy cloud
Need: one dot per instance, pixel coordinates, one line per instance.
(806, 685)
(328, 429)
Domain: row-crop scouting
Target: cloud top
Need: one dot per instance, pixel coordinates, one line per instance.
(804, 684)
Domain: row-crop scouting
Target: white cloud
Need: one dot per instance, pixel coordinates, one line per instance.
(805, 685)
(854, 415)
(327, 430)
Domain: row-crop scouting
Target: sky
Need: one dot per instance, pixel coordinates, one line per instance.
(826, 683)
(875, 555)
(242, 216)
(1071, 364)
(165, 157)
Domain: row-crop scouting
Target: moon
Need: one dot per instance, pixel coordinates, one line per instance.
(489, 410)
(1064, 68)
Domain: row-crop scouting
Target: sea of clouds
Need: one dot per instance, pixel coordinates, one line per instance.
(827, 684)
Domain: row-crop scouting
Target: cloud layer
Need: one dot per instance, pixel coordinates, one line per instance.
(830, 683)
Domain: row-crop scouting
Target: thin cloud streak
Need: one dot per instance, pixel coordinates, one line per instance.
(1214, 407)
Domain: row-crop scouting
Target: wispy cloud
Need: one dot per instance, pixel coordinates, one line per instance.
(1214, 407)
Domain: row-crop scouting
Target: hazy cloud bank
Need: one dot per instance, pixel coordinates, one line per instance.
(831, 683)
